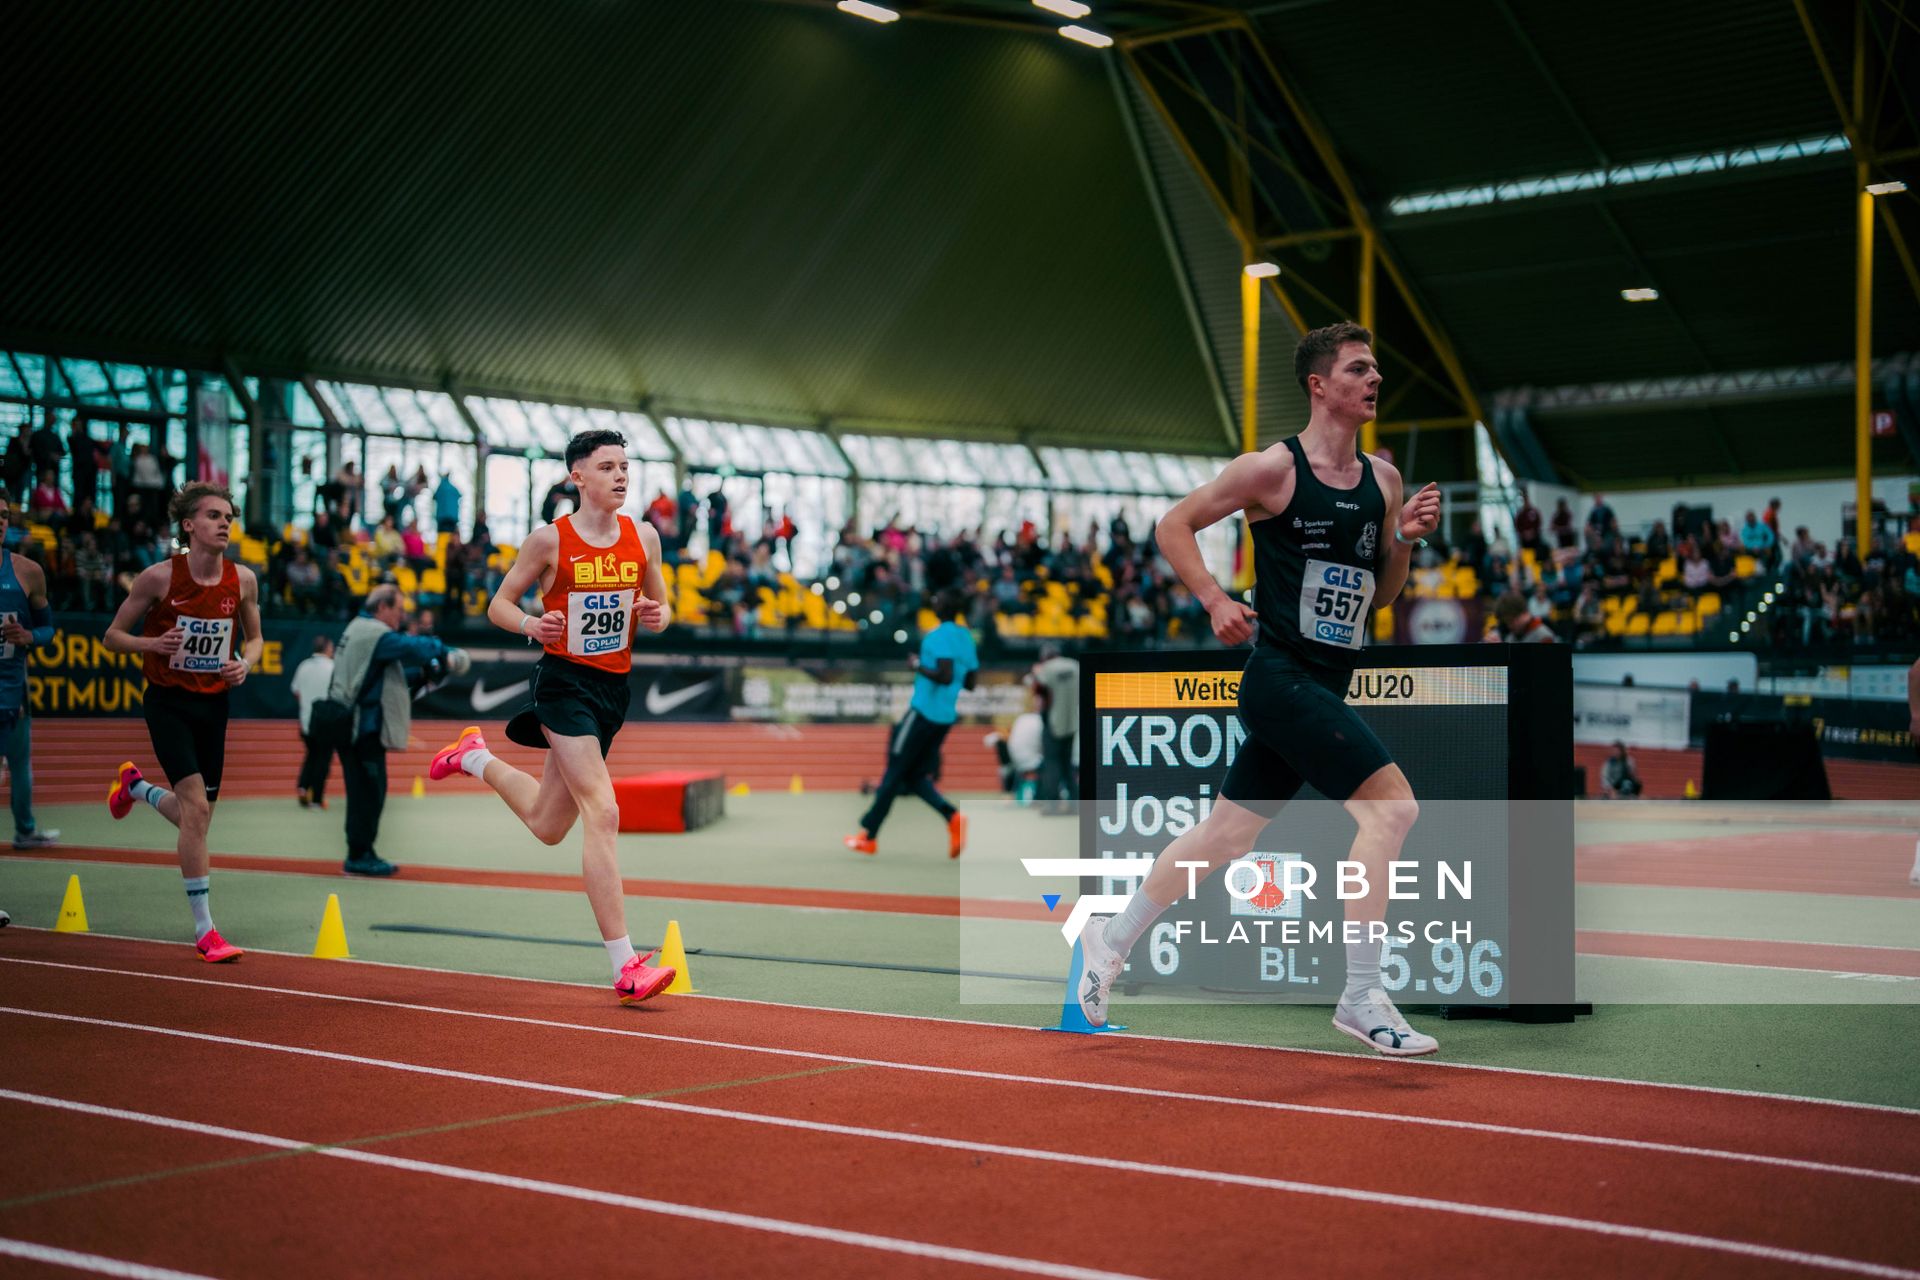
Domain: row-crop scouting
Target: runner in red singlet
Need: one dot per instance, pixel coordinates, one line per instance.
(193, 603)
(600, 577)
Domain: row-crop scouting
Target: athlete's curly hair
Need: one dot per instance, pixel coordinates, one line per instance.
(1318, 347)
(186, 502)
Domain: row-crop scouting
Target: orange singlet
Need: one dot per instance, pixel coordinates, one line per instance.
(206, 614)
(596, 588)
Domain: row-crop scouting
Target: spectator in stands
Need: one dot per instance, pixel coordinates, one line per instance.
(311, 680)
(17, 463)
(719, 518)
(1659, 544)
(1589, 615)
(94, 571)
(1801, 555)
(1601, 522)
(412, 546)
(1540, 604)
(86, 460)
(1617, 777)
(387, 544)
(1526, 525)
(687, 514)
(1562, 525)
(352, 489)
(45, 448)
(660, 514)
(446, 506)
(324, 536)
(306, 588)
(148, 485)
(563, 490)
(1758, 539)
(1515, 625)
(46, 505)
(1772, 517)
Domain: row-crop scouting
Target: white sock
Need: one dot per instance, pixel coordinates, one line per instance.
(1125, 929)
(152, 794)
(202, 909)
(1363, 969)
(619, 951)
(476, 761)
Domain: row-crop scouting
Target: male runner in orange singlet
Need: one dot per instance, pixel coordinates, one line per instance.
(599, 575)
(191, 603)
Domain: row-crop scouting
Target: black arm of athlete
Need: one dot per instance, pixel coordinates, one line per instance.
(973, 679)
(941, 672)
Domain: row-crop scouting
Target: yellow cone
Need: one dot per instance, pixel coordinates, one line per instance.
(73, 912)
(419, 787)
(738, 789)
(795, 786)
(332, 942)
(673, 955)
(1693, 792)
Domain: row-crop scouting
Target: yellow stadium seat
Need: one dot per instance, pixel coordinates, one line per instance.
(1666, 624)
(406, 579)
(433, 582)
(1745, 566)
(1638, 624)
(1669, 569)
(1912, 542)
(1709, 603)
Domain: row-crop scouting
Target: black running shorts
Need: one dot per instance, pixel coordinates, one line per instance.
(189, 734)
(1299, 730)
(573, 700)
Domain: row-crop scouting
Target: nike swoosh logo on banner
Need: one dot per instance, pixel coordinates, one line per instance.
(658, 704)
(485, 699)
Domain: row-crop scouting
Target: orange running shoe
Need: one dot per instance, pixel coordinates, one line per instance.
(215, 949)
(446, 761)
(862, 843)
(956, 834)
(120, 794)
(640, 981)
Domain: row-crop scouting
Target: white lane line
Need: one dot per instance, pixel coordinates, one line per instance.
(1652, 1235)
(1407, 1064)
(1300, 1108)
(93, 1262)
(669, 1208)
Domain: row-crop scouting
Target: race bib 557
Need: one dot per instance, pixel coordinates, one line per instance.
(1333, 603)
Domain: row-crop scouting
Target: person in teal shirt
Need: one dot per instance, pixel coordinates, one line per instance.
(948, 663)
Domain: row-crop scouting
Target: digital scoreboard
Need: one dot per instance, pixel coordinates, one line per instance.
(1481, 906)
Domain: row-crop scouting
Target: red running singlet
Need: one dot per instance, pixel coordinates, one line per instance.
(207, 615)
(596, 587)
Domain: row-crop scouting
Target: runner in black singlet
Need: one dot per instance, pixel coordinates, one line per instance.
(1332, 528)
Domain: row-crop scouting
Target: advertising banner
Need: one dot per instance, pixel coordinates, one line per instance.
(1637, 717)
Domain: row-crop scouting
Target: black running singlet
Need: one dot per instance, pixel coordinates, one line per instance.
(1317, 565)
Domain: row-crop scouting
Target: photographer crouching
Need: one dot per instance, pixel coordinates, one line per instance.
(374, 673)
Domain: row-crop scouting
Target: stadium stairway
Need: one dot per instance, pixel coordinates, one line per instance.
(1665, 774)
(74, 759)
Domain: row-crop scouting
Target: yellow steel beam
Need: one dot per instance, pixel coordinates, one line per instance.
(1862, 309)
(1180, 140)
(1249, 363)
(1357, 211)
(1847, 118)
(1178, 33)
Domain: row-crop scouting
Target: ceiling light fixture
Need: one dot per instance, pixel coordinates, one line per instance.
(1893, 188)
(1065, 8)
(871, 12)
(1093, 39)
(1263, 270)
(1640, 295)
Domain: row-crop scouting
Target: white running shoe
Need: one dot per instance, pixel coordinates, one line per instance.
(37, 840)
(1099, 972)
(1374, 1021)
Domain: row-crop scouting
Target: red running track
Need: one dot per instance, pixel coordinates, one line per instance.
(489, 1126)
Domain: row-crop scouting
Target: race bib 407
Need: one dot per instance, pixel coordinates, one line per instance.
(205, 644)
